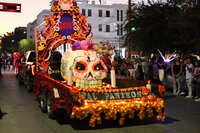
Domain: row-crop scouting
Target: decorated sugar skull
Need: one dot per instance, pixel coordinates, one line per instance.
(87, 68)
(65, 4)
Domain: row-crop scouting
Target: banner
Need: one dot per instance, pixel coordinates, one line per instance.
(112, 95)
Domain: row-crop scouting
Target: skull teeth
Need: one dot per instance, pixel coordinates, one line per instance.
(88, 83)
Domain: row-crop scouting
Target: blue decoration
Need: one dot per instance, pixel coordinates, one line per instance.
(66, 26)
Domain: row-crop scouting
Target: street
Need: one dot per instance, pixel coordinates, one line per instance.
(22, 114)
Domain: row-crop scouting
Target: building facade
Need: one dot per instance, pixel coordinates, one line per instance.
(32, 25)
(30, 29)
(105, 21)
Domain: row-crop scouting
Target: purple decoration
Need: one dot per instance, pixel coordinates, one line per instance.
(78, 45)
(82, 45)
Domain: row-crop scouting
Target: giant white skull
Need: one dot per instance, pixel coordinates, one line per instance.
(87, 68)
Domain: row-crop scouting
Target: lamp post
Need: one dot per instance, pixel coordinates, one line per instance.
(118, 34)
(119, 45)
(129, 21)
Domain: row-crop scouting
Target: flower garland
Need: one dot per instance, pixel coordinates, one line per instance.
(123, 107)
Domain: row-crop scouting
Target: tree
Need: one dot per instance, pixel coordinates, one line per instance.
(166, 26)
(26, 45)
(8, 43)
(11, 40)
(151, 26)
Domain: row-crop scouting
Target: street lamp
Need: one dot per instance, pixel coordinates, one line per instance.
(133, 29)
(13, 40)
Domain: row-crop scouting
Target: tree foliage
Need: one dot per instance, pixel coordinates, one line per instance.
(8, 43)
(26, 45)
(169, 26)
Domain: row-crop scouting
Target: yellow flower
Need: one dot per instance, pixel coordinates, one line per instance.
(56, 34)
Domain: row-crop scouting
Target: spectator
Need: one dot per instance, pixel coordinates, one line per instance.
(119, 60)
(188, 77)
(145, 70)
(154, 72)
(195, 79)
(123, 68)
(1, 63)
(8, 63)
(176, 72)
(4, 63)
(182, 76)
(11, 63)
(115, 64)
(130, 69)
(139, 72)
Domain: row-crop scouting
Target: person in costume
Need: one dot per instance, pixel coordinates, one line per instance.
(16, 61)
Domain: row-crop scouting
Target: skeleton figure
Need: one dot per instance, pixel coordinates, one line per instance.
(88, 70)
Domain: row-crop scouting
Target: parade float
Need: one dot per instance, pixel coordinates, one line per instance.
(73, 81)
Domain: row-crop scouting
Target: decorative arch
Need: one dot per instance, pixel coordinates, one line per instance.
(65, 25)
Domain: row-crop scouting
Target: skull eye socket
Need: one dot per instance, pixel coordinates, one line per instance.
(80, 66)
(98, 67)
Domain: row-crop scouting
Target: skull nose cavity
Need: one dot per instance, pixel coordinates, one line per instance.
(90, 75)
(88, 59)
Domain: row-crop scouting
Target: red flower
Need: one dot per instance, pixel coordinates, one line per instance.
(55, 3)
(74, 4)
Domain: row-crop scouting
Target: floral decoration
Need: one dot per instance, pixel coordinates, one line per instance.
(80, 108)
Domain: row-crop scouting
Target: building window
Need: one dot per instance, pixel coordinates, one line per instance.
(90, 26)
(107, 28)
(100, 13)
(117, 15)
(89, 12)
(122, 29)
(100, 27)
(107, 13)
(118, 29)
(122, 15)
(83, 12)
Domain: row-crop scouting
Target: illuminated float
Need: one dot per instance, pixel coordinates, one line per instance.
(74, 81)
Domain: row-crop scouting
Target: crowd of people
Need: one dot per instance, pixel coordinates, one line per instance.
(6, 63)
(184, 72)
(186, 77)
(137, 68)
